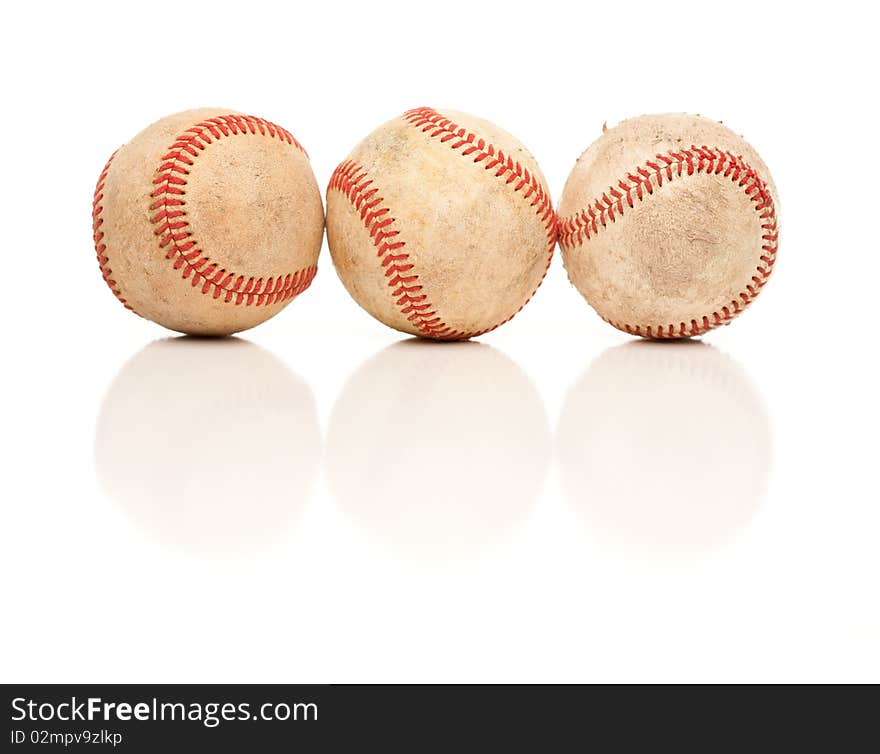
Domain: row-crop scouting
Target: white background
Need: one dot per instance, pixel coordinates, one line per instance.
(322, 500)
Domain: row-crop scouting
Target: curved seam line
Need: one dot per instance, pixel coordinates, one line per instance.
(173, 225)
(435, 124)
(351, 179)
(98, 235)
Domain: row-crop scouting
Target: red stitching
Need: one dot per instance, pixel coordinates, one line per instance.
(351, 179)
(173, 227)
(434, 124)
(98, 235)
(582, 226)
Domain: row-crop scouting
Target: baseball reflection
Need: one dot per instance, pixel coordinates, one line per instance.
(209, 445)
(665, 447)
(437, 447)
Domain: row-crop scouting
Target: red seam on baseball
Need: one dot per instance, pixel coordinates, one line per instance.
(173, 227)
(98, 235)
(351, 180)
(583, 225)
(434, 124)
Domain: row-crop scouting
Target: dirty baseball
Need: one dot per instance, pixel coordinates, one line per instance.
(668, 225)
(208, 222)
(440, 224)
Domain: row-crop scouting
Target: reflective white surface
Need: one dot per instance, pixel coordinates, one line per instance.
(665, 448)
(323, 499)
(208, 445)
(437, 447)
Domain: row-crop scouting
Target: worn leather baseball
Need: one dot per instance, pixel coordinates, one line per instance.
(208, 222)
(668, 225)
(440, 224)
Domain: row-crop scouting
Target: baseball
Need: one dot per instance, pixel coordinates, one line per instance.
(208, 222)
(440, 224)
(668, 225)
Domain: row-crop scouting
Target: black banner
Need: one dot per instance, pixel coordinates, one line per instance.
(263, 718)
(168, 718)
